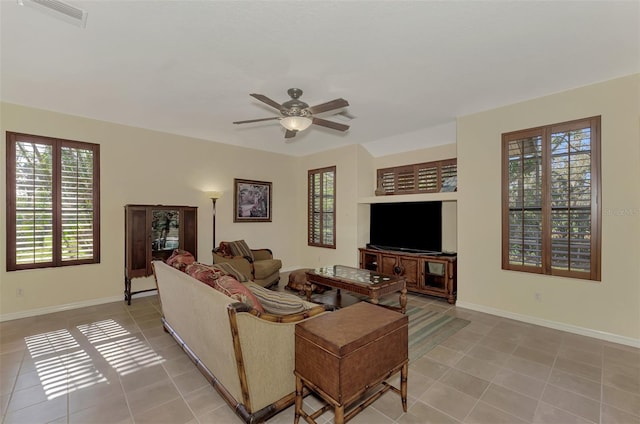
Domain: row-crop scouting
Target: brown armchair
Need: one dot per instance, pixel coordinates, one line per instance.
(258, 265)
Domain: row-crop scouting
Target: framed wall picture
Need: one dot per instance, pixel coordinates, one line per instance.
(251, 201)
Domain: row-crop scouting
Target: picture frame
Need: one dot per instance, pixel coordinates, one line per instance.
(251, 201)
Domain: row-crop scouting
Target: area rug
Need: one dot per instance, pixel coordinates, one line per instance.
(427, 329)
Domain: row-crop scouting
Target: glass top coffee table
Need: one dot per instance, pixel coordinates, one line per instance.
(361, 281)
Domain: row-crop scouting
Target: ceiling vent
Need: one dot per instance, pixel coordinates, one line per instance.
(60, 10)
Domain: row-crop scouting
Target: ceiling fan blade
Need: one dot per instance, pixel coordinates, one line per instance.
(256, 120)
(325, 107)
(266, 100)
(329, 124)
(290, 134)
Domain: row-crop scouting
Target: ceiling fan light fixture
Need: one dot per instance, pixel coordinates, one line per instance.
(296, 123)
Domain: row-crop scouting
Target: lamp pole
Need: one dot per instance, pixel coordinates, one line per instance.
(213, 199)
(214, 195)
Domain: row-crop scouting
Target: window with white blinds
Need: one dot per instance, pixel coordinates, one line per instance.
(322, 207)
(52, 202)
(551, 210)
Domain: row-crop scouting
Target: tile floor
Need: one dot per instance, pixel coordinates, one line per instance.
(113, 363)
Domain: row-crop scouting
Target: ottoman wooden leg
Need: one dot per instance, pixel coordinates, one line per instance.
(298, 409)
(339, 414)
(403, 385)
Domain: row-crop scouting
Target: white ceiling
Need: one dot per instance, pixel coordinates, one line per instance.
(408, 69)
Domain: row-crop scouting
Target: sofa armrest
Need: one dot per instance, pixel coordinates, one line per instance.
(297, 317)
(262, 254)
(268, 352)
(238, 262)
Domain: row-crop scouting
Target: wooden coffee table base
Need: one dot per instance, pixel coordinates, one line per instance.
(338, 408)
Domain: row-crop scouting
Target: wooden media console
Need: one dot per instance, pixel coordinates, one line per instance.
(426, 274)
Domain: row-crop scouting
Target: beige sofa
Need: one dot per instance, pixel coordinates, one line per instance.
(247, 356)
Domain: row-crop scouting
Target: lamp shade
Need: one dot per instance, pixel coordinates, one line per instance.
(296, 123)
(214, 194)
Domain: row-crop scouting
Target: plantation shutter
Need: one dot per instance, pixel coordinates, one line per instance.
(405, 180)
(314, 208)
(34, 238)
(551, 213)
(448, 170)
(77, 203)
(386, 181)
(525, 202)
(53, 202)
(328, 200)
(321, 207)
(428, 177)
(571, 199)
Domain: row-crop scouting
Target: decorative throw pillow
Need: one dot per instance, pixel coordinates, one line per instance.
(204, 273)
(240, 248)
(228, 269)
(180, 259)
(224, 250)
(277, 303)
(225, 284)
(236, 290)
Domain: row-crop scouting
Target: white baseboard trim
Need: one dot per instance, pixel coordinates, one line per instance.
(67, 307)
(291, 268)
(602, 335)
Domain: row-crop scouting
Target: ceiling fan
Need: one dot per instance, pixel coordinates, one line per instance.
(297, 116)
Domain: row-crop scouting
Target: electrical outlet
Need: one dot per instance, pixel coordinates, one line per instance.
(19, 292)
(538, 297)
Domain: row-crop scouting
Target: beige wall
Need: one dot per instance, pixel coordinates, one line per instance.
(429, 154)
(146, 167)
(346, 161)
(611, 306)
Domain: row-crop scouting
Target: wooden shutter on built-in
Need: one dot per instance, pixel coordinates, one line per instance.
(417, 178)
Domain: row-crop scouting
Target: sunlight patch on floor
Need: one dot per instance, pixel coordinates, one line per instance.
(64, 366)
(125, 352)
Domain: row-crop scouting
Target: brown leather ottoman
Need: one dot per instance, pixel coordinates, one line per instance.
(297, 280)
(344, 354)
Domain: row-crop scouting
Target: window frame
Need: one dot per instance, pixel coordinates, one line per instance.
(310, 212)
(57, 144)
(546, 132)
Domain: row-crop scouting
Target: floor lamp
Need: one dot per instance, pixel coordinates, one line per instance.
(214, 195)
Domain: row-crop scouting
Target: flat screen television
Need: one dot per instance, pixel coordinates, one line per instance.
(408, 226)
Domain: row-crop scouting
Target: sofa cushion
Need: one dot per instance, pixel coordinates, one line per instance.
(240, 248)
(180, 259)
(224, 283)
(228, 269)
(277, 303)
(263, 269)
(236, 290)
